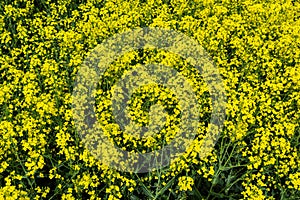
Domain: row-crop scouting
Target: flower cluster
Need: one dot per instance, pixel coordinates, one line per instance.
(254, 44)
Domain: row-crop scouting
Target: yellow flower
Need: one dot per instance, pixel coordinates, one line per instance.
(185, 183)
